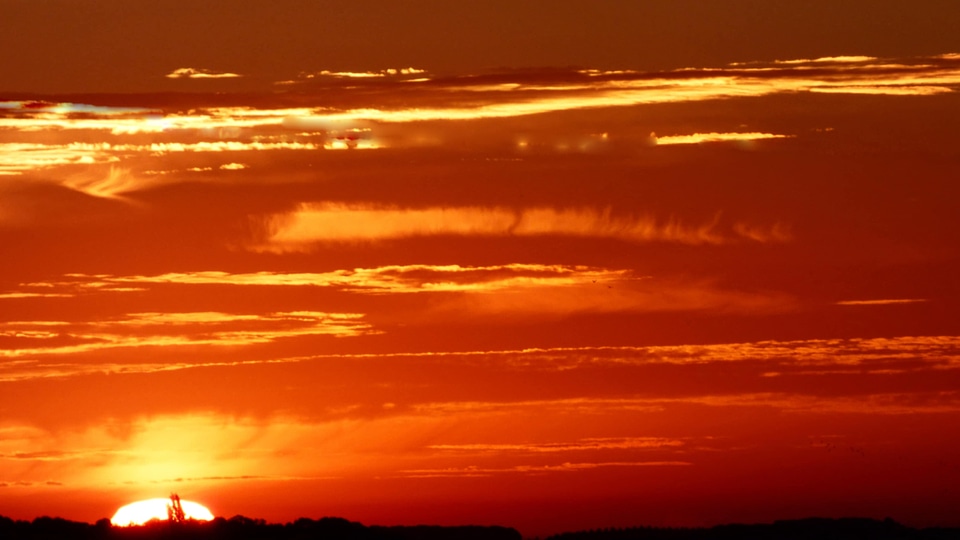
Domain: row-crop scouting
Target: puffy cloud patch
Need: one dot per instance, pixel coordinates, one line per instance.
(194, 73)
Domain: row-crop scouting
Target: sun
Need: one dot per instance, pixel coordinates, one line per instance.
(141, 512)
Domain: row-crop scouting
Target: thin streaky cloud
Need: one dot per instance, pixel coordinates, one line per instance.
(921, 353)
(587, 90)
(697, 138)
(514, 290)
(19, 158)
(189, 329)
(889, 90)
(833, 59)
(36, 370)
(624, 443)
(245, 477)
(881, 302)
(56, 455)
(851, 59)
(379, 280)
(459, 472)
(32, 334)
(384, 73)
(34, 295)
(890, 403)
(316, 223)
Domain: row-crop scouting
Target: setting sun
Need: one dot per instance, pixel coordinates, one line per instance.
(141, 512)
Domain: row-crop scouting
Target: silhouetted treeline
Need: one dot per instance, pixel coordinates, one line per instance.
(242, 528)
(801, 529)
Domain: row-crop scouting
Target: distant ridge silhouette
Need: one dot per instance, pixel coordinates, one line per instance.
(331, 528)
(799, 529)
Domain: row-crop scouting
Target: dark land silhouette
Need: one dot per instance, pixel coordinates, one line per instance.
(331, 528)
(242, 528)
(800, 529)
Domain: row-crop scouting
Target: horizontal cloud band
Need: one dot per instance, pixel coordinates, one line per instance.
(329, 222)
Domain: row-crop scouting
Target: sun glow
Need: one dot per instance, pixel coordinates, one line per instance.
(141, 512)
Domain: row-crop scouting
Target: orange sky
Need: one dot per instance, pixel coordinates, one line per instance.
(428, 280)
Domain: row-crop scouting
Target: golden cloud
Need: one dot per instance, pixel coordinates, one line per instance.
(473, 471)
(608, 443)
(881, 302)
(313, 223)
(194, 73)
(586, 89)
(697, 138)
(175, 329)
(378, 280)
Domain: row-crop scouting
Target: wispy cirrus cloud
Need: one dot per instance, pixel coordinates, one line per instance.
(314, 223)
(379, 122)
(771, 358)
(34, 295)
(886, 403)
(399, 279)
(519, 94)
(697, 138)
(537, 290)
(566, 467)
(589, 444)
(17, 158)
(33, 338)
(881, 302)
(52, 455)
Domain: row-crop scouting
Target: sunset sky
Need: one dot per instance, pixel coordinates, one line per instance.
(552, 265)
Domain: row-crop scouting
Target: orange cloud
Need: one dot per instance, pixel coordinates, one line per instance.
(34, 295)
(581, 90)
(697, 138)
(17, 158)
(379, 280)
(391, 72)
(882, 302)
(314, 223)
(175, 329)
(612, 443)
(650, 295)
(472, 471)
(889, 403)
(193, 73)
(498, 290)
(852, 59)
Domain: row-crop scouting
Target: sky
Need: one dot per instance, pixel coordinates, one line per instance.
(549, 265)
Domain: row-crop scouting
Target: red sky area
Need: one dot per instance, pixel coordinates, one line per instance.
(553, 266)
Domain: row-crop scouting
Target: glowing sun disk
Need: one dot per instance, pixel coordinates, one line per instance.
(141, 512)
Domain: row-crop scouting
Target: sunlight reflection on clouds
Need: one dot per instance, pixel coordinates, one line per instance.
(180, 329)
(314, 223)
